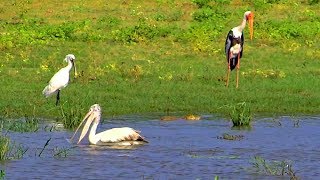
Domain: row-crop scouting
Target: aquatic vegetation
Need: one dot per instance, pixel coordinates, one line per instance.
(2, 174)
(61, 152)
(9, 150)
(4, 147)
(296, 121)
(71, 116)
(227, 136)
(240, 114)
(26, 124)
(276, 168)
(169, 118)
(192, 117)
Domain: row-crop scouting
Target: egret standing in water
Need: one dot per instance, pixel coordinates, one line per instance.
(234, 44)
(116, 136)
(60, 79)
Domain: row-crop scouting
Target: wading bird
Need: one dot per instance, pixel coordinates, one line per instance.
(116, 136)
(234, 44)
(60, 79)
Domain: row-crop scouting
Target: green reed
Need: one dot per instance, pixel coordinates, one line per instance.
(4, 147)
(2, 174)
(240, 114)
(61, 152)
(275, 168)
(71, 116)
(10, 150)
(21, 125)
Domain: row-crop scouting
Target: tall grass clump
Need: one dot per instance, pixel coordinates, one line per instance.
(25, 125)
(2, 174)
(275, 168)
(10, 150)
(240, 115)
(4, 147)
(70, 116)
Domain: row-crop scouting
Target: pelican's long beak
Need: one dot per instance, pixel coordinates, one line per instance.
(75, 69)
(250, 21)
(90, 117)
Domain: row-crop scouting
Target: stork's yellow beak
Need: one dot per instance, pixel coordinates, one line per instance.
(250, 21)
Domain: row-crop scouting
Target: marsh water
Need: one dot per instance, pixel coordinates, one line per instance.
(177, 150)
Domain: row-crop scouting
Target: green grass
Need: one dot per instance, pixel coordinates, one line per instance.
(158, 56)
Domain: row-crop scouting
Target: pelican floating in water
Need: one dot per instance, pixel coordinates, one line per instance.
(60, 79)
(119, 136)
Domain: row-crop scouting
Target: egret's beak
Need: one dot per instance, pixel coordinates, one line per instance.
(90, 117)
(250, 21)
(75, 69)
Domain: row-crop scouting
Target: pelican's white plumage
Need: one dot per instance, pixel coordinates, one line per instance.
(120, 136)
(60, 79)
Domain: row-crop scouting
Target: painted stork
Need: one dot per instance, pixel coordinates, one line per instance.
(234, 45)
(124, 136)
(60, 79)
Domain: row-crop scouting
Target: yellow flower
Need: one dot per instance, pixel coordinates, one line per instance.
(44, 67)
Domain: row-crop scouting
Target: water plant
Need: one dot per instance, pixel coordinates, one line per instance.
(4, 147)
(276, 168)
(25, 125)
(71, 116)
(227, 136)
(240, 114)
(2, 174)
(61, 152)
(9, 150)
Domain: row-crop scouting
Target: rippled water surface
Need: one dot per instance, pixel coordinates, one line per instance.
(177, 150)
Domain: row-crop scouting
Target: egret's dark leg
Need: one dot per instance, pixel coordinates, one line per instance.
(58, 98)
(238, 67)
(228, 70)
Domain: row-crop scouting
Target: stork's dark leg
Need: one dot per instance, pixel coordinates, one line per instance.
(228, 70)
(238, 67)
(58, 98)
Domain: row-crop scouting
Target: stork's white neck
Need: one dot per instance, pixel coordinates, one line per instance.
(243, 24)
(237, 31)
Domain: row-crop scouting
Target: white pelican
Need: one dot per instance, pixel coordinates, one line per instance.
(60, 79)
(115, 136)
(234, 44)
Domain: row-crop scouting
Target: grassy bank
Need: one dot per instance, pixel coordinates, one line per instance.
(158, 56)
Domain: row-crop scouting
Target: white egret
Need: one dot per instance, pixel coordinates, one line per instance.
(125, 136)
(234, 44)
(60, 79)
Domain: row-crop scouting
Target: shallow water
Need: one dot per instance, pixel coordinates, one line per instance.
(177, 150)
